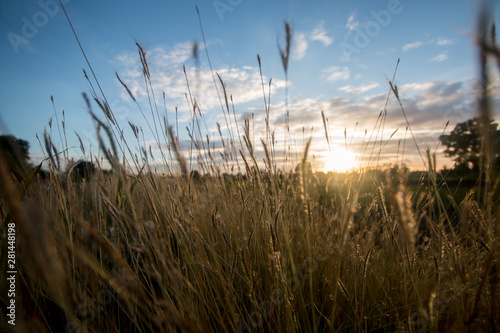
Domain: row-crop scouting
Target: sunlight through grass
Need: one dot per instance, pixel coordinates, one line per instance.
(340, 160)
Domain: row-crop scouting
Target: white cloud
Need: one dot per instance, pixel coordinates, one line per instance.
(167, 75)
(176, 56)
(428, 105)
(439, 58)
(301, 46)
(442, 41)
(410, 46)
(360, 89)
(351, 23)
(320, 34)
(336, 73)
(433, 94)
(416, 87)
(302, 39)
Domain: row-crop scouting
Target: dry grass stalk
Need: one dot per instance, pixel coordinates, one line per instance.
(180, 158)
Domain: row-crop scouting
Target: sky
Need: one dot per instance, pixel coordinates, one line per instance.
(343, 54)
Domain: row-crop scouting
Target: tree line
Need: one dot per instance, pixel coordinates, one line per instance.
(463, 145)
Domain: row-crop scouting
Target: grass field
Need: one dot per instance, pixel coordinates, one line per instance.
(258, 251)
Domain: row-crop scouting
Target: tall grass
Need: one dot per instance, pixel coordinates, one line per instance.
(267, 249)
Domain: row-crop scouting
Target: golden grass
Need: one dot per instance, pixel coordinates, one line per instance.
(151, 253)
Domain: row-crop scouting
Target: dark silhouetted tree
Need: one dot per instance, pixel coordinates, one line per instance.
(464, 144)
(15, 153)
(82, 170)
(195, 176)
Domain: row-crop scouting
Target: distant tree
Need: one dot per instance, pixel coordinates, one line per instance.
(82, 170)
(307, 168)
(195, 176)
(464, 144)
(303, 170)
(15, 153)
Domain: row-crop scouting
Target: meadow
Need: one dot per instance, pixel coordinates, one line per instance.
(268, 249)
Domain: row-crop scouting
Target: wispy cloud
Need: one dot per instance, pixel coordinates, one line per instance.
(301, 46)
(439, 58)
(440, 41)
(167, 74)
(321, 35)
(410, 46)
(360, 89)
(443, 41)
(336, 73)
(302, 40)
(352, 24)
(429, 106)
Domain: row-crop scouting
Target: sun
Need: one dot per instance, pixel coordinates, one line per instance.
(340, 160)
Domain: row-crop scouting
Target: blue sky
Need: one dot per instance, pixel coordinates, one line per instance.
(342, 54)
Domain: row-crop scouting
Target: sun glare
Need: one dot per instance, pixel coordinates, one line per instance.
(339, 160)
